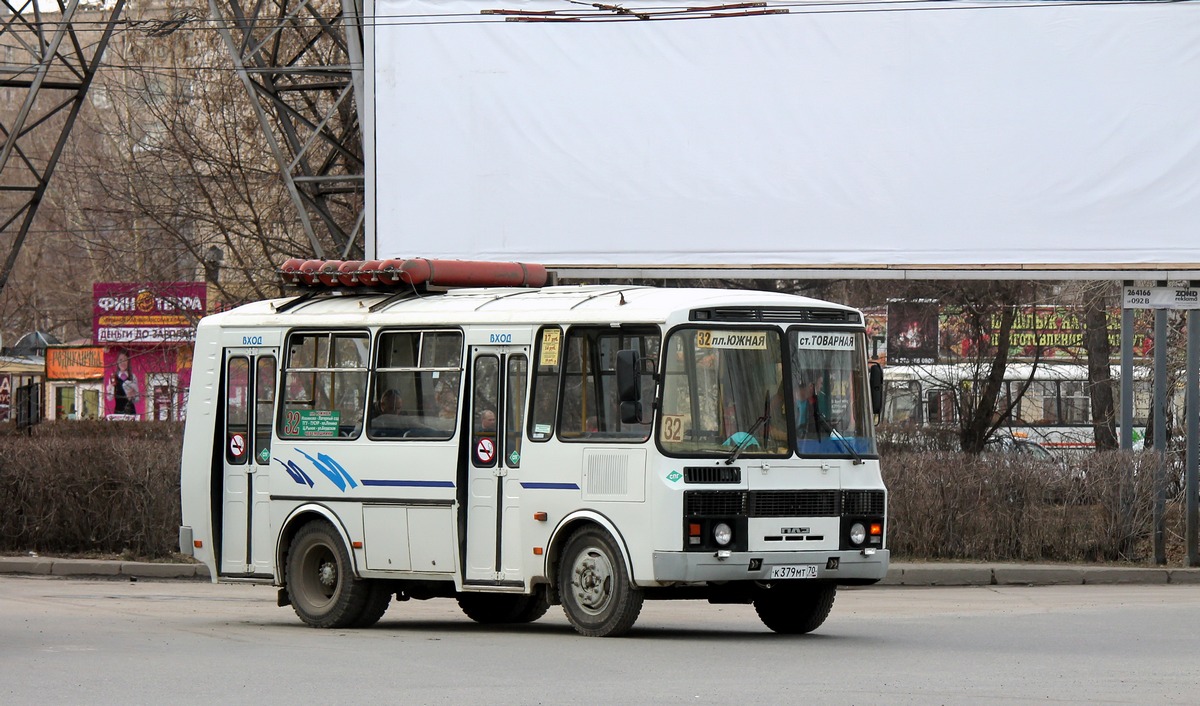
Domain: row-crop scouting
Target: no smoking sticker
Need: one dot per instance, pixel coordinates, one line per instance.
(485, 450)
(237, 445)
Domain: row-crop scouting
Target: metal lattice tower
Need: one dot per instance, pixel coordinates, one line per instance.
(49, 63)
(301, 62)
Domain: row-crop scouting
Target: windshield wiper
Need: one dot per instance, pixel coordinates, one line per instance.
(750, 434)
(835, 434)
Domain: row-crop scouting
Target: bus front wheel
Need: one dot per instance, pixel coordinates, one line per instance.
(795, 608)
(321, 583)
(597, 593)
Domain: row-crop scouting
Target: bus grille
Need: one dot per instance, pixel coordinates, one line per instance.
(783, 503)
(712, 474)
(863, 502)
(794, 503)
(714, 502)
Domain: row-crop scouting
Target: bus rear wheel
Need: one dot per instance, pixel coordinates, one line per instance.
(321, 584)
(596, 590)
(493, 609)
(795, 609)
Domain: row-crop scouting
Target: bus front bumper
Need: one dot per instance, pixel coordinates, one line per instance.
(852, 567)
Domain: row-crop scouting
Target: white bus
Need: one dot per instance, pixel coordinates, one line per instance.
(1054, 409)
(518, 447)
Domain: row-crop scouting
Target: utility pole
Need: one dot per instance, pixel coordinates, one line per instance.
(55, 68)
(301, 62)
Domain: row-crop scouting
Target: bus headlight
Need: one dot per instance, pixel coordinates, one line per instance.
(722, 533)
(858, 533)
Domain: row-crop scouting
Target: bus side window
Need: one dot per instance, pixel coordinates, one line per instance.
(237, 408)
(264, 396)
(486, 382)
(940, 407)
(518, 376)
(415, 387)
(590, 408)
(1076, 404)
(325, 385)
(544, 395)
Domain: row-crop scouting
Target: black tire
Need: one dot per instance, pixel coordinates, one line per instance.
(597, 594)
(791, 609)
(321, 583)
(378, 601)
(500, 609)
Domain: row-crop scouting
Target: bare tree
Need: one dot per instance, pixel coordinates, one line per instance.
(170, 177)
(1098, 349)
(987, 315)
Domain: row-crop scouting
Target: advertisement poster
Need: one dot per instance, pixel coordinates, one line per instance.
(123, 390)
(912, 332)
(876, 321)
(148, 312)
(1051, 333)
(145, 383)
(74, 363)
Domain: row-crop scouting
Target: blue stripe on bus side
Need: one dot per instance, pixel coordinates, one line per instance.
(410, 483)
(550, 486)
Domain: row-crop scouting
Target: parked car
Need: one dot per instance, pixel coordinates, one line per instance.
(1012, 445)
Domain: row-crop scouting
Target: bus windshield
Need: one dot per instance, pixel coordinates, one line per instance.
(830, 393)
(724, 390)
(721, 393)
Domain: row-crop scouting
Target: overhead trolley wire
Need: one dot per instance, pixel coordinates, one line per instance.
(194, 20)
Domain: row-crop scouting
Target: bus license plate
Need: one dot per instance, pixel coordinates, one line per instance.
(794, 571)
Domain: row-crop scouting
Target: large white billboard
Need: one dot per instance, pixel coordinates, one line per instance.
(900, 135)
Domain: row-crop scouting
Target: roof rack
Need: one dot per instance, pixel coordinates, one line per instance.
(408, 274)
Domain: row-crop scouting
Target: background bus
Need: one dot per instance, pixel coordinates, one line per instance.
(1054, 410)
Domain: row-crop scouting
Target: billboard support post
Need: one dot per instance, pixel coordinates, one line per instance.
(1160, 432)
(1127, 375)
(1192, 424)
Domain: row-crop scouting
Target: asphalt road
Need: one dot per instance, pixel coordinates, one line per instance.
(115, 641)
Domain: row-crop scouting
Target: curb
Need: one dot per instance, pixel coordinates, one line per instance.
(42, 566)
(1033, 575)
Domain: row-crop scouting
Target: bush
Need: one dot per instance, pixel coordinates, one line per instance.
(83, 487)
(947, 505)
(113, 488)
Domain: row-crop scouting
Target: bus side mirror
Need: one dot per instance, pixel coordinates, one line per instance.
(876, 383)
(629, 393)
(627, 376)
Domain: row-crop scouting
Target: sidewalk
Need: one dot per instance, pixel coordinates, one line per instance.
(900, 574)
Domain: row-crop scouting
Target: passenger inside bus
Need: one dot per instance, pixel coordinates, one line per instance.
(447, 401)
(487, 422)
(805, 394)
(388, 421)
(390, 402)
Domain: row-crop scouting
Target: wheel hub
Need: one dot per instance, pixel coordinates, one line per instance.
(593, 581)
(327, 574)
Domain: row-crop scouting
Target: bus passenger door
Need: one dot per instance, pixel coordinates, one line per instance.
(499, 384)
(246, 539)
